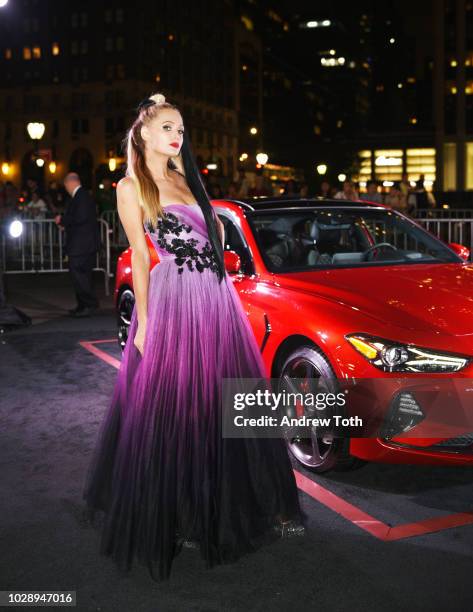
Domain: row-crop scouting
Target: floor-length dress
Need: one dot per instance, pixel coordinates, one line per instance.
(161, 470)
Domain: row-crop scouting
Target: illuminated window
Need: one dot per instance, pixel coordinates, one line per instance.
(449, 166)
(421, 161)
(413, 120)
(469, 165)
(37, 52)
(26, 53)
(55, 49)
(365, 164)
(8, 54)
(469, 88)
(453, 63)
(388, 164)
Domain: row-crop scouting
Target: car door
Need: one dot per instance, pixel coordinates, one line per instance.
(246, 282)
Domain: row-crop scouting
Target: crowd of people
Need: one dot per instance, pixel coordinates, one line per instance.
(35, 203)
(401, 195)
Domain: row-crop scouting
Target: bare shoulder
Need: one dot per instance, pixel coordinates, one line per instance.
(126, 187)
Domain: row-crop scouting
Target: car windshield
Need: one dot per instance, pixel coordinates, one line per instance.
(342, 237)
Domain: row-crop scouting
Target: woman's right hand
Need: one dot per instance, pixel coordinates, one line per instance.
(139, 340)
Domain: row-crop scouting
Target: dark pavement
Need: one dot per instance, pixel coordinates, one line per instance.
(54, 395)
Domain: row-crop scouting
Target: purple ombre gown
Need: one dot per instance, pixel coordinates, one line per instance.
(161, 468)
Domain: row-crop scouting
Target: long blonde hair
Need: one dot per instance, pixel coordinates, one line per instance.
(185, 163)
(148, 191)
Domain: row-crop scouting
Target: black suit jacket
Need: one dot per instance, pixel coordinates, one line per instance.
(81, 225)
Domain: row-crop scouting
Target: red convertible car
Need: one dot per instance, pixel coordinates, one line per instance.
(335, 290)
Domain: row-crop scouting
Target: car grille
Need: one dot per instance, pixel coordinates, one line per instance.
(460, 441)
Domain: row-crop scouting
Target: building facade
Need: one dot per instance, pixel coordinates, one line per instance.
(81, 70)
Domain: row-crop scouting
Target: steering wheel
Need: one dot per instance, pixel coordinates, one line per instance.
(367, 253)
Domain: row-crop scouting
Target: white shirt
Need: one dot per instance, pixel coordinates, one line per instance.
(75, 190)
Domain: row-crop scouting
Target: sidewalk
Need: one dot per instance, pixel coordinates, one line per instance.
(48, 296)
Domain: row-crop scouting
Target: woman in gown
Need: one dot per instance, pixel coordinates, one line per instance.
(162, 475)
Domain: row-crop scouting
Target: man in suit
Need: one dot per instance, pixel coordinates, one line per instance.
(82, 243)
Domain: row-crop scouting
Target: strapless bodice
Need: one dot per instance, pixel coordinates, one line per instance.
(181, 236)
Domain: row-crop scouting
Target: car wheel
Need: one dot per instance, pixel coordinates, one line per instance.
(125, 305)
(306, 370)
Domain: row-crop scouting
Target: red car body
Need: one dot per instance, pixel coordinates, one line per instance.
(429, 305)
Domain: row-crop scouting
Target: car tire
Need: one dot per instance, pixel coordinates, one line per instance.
(125, 305)
(318, 453)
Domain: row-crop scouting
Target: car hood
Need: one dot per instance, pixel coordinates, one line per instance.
(416, 296)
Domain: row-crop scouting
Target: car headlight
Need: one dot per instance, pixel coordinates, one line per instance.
(391, 356)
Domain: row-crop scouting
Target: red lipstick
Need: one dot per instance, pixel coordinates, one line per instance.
(175, 145)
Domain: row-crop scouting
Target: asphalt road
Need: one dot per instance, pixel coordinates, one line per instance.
(359, 552)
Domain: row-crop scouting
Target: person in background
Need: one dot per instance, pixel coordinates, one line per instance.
(348, 192)
(372, 194)
(106, 198)
(396, 199)
(36, 207)
(215, 191)
(325, 190)
(232, 191)
(243, 185)
(31, 187)
(260, 188)
(82, 243)
(405, 186)
(304, 190)
(55, 198)
(290, 189)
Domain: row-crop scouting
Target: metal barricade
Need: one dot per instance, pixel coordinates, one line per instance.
(117, 233)
(451, 230)
(443, 213)
(40, 248)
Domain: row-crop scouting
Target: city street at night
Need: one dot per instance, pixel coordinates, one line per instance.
(236, 305)
(379, 538)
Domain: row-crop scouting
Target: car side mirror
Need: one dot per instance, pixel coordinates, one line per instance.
(460, 250)
(232, 262)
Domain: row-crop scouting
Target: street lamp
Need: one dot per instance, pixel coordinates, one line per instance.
(322, 169)
(342, 177)
(35, 130)
(112, 164)
(3, 3)
(253, 130)
(262, 158)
